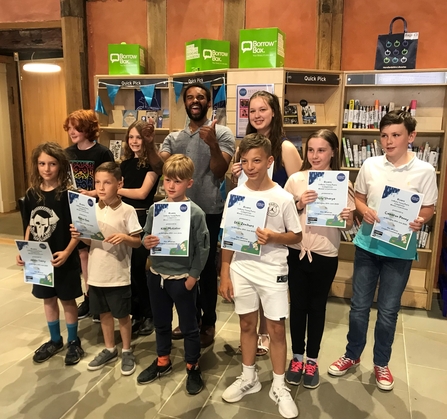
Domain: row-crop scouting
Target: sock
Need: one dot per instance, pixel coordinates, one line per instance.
(72, 331)
(163, 360)
(299, 357)
(55, 331)
(313, 360)
(278, 380)
(249, 372)
(191, 366)
(111, 349)
(126, 350)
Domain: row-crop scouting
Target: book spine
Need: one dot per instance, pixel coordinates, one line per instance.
(351, 157)
(355, 151)
(345, 151)
(351, 113)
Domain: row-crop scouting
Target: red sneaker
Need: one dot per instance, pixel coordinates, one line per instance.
(342, 365)
(384, 379)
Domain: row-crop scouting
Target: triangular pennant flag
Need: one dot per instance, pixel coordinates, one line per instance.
(178, 86)
(99, 107)
(112, 90)
(220, 96)
(148, 92)
(207, 84)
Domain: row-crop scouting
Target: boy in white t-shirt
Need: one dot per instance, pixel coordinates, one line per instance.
(109, 266)
(248, 279)
(398, 168)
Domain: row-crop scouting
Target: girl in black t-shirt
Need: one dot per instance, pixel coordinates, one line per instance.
(140, 185)
(47, 215)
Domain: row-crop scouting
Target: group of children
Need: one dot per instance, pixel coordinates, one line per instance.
(295, 258)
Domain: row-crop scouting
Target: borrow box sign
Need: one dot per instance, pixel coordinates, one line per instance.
(261, 48)
(207, 54)
(127, 59)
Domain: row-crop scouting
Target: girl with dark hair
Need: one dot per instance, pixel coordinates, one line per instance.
(313, 262)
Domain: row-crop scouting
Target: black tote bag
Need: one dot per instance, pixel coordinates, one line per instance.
(397, 51)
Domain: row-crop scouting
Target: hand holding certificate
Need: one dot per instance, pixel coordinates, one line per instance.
(83, 215)
(331, 187)
(172, 222)
(397, 209)
(38, 268)
(244, 215)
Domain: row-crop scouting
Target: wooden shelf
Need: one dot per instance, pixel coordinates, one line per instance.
(357, 131)
(307, 127)
(123, 130)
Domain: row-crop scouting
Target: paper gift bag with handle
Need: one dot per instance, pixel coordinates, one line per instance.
(397, 51)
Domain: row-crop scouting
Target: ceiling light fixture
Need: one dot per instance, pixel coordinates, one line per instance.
(41, 67)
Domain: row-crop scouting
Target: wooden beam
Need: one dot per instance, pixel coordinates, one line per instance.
(74, 43)
(156, 37)
(329, 34)
(6, 26)
(234, 20)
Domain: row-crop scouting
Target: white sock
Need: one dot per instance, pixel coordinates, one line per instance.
(278, 380)
(249, 372)
(111, 349)
(126, 350)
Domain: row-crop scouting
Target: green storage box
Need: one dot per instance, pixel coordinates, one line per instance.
(127, 59)
(261, 48)
(207, 54)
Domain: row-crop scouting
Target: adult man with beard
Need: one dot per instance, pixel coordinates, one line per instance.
(210, 147)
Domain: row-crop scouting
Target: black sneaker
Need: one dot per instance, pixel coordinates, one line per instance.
(136, 323)
(311, 375)
(194, 382)
(96, 318)
(74, 352)
(47, 350)
(146, 327)
(153, 372)
(84, 308)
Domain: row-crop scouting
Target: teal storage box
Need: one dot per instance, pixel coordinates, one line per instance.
(127, 59)
(207, 54)
(261, 48)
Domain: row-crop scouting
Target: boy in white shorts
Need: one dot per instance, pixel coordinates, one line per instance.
(248, 279)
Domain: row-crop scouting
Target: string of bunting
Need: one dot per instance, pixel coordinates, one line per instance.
(149, 89)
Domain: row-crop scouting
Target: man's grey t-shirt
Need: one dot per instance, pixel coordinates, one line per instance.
(205, 191)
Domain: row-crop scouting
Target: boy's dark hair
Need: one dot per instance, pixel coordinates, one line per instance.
(85, 121)
(397, 118)
(201, 86)
(255, 140)
(178, 166)
(331, 139)
(112, 168)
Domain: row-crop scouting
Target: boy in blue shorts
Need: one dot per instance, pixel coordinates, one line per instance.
(109, 266)
(248, 279)
(401, 169)
(173, 279)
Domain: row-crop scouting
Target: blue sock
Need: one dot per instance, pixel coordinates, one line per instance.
(55, 331)
(298, 357)
(72, 331)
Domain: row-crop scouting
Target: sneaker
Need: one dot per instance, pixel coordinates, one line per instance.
(342, 365)
(311, 375)
(74, 352)
(84, 308)
(286, 406)
(96, 318)
(128, 364)
(153, 371)
(103, 358)
(295, 372)
(146, 327)
(47, 350)
(240, 388)
(384, 379)
(194, 382)
(136, 323)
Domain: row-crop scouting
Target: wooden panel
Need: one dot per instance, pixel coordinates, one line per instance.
(234, 20)
(44, 108)
(156, 36)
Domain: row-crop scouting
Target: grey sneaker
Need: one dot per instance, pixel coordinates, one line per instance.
(47, 350)
(311, 375)
(128, 364)
(103, 358)
(295, 372)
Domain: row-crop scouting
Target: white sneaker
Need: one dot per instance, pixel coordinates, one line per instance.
(286, 406)
(240, 388)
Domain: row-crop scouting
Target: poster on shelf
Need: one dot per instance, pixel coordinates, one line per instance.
(244, 93)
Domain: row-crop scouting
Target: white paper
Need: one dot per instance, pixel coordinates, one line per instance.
(83, 215)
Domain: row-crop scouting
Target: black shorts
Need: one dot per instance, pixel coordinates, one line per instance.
(67, 285)
(116, 300)
(81, 245)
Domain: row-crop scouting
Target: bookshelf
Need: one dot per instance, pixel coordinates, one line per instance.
(112, 124)
(429, 89)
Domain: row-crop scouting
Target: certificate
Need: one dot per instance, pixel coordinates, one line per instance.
(172, 222)
(83, 215)
(37, 257)
(331, 187)
(397, 210)
(244, 214)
